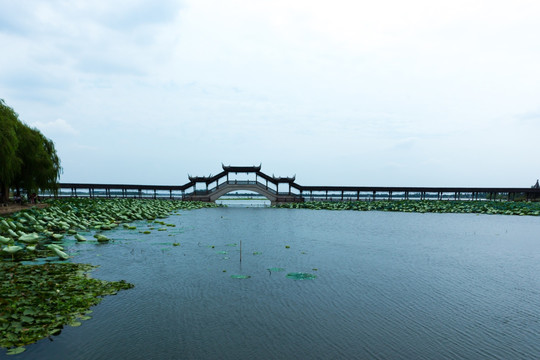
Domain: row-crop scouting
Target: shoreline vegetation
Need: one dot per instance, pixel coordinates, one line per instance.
(425, 206)
(42, 290)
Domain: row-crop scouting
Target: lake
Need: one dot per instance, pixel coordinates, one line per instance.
(387, 286)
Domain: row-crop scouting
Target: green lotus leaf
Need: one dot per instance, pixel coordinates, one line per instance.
(29, 238)
(276, 269)
(12, 249)
(15, 351)
(80, 237)
(101, 238)
(27, 319)
(5, 240)
(240, 276)
(300, 276)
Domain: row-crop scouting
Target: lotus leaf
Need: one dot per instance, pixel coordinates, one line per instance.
(101, 238)
(15, 351)
(55, 246)
(62, 255)
(5, 240)
(12, 249)
(29, 238)
(240, 276)
(80, 237)
(300, 276)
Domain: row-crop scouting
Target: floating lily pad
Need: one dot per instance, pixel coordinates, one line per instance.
(300, 276)
(69, 293)
(257, 253)
(240, 276)
(276, 269)
(16, 350)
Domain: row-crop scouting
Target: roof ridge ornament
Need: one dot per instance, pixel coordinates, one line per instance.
(241, 169)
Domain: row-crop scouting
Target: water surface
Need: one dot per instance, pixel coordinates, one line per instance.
(388, 286)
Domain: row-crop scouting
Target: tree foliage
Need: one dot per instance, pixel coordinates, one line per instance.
(28, 159)
(9, 163)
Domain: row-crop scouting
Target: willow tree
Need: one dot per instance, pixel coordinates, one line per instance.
(29, 161)
(10, 164)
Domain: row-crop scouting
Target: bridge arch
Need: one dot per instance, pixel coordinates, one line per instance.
(257, 188)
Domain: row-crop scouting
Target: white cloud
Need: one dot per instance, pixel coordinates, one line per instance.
(311, 86)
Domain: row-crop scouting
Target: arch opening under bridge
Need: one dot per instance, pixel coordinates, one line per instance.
(232, 186)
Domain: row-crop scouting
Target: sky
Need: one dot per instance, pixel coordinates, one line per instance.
(381, 93)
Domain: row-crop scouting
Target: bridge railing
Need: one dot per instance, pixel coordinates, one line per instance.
(262, 186)
(308, 193)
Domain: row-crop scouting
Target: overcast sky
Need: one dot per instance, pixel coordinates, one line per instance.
(387, 92)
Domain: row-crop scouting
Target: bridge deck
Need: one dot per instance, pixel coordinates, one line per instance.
(269, 186)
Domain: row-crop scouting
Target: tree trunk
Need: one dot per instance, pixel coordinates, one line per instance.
(4, 193)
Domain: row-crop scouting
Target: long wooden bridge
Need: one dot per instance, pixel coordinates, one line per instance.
(286, 190)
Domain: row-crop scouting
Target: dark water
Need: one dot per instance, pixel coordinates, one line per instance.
(388, 286)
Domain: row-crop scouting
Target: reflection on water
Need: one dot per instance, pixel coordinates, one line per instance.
(243, 202)
(387, 286)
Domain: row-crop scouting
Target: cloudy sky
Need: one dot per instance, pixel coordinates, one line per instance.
(342, 92)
